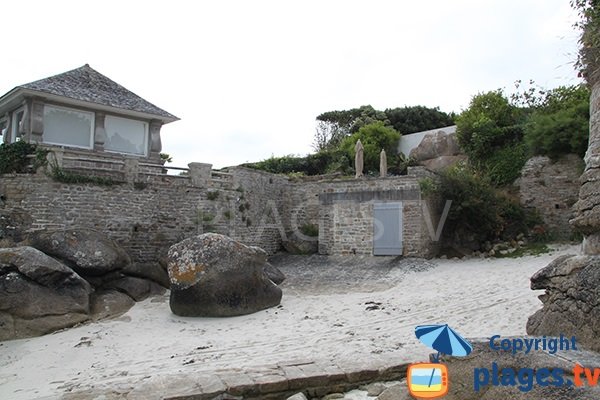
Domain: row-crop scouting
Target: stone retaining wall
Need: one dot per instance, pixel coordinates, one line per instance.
(146, 212)
(551, 187)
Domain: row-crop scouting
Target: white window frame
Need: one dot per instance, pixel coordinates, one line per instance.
(92, 127)
(14, 125)
(146, 136)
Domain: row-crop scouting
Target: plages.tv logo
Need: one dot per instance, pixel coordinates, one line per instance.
(430, 380)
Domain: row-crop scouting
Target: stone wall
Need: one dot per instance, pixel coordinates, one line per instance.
(146, 217)
(343, 210)
(551, 188)
(148, 210)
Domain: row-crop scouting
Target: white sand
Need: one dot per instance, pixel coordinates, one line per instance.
(479, 298)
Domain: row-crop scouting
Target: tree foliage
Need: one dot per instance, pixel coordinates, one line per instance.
(334, 126)
(374, 137)
(499, 134)
(560, 125)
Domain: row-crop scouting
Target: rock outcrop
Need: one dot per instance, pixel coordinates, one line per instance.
(572, 283)
(587, 219)
(38, 294)
(571, 302)
(88, 277)
(438, 151)
(215, 276)
(88, 252)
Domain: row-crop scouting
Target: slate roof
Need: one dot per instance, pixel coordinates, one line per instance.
(87, 84)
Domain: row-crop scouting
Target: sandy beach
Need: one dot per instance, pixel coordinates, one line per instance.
(348, 320)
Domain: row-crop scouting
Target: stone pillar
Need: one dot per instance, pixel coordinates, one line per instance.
(200, 174)
(37, 121)
(132, 166)
(587, 219)
(99, 132)
(155, 142)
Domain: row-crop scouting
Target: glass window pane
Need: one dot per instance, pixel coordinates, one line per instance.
(125, 135)
(68, 127)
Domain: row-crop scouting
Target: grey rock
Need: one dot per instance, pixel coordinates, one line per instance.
(437, 151)
(136, 288)
(213, 275)
(38, 294)
(296, 243)
(274, 273)
(88, 252)
(33, 284)
(109, 303)
(375, 389)
(395, 392)
(152, 271)
(297, 396)
(571, 304)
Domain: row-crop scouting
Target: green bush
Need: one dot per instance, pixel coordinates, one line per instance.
(478, 210)
(374, 137)
(505, 164)
(561, 125)
(325, 161)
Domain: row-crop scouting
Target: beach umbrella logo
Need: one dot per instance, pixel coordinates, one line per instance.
(430, 380)
(443, 339)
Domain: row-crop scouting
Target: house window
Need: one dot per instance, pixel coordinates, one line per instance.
(126, 135)
(68, 127)
(3, 129)
(17, 118)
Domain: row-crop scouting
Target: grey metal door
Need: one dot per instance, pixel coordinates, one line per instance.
(387, 229)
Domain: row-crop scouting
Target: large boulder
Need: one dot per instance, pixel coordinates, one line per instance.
(39, 294)
(109, 303)
(87, 251)
(571, 304)
(437, 151)
(215, 276)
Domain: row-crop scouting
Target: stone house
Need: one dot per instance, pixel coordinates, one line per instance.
(83, 112)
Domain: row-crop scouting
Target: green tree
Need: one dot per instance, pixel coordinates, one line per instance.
(487, 129)
(334, 126)
(560, 125)
(374, 137)
(417, 119)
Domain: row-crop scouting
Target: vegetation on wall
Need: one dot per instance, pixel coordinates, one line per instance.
(588, 60)
(21, 157)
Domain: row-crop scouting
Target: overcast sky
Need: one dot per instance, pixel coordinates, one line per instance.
(248, 77)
